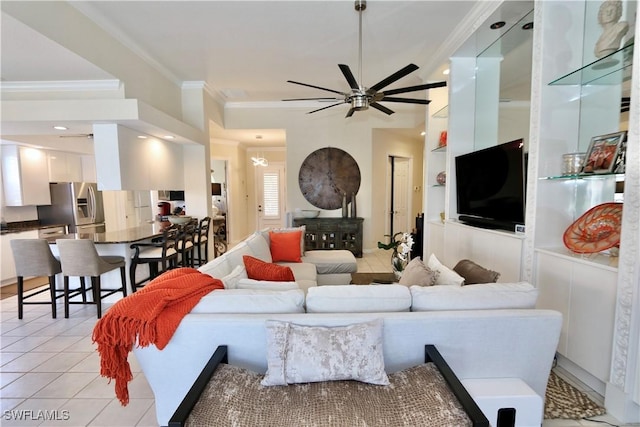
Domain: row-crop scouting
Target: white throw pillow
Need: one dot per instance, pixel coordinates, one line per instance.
(259, 247)
(446, 276)
(218, 267)
(230, 281)
(302, 354)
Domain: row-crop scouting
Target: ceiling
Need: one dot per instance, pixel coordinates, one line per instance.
(246, 51)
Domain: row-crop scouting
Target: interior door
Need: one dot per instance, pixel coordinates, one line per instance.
(270, 196)
(398, 196)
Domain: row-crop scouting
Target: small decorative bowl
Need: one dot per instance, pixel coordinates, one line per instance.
(310, 213)
(179, 219)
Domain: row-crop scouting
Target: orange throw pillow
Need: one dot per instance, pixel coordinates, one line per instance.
(285, 246)
(260, 270)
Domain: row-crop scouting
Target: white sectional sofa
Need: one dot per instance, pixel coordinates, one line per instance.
(477, 344)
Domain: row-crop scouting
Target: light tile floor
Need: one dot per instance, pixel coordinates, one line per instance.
(50, 365)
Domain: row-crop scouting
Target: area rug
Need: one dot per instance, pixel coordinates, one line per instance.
(562, 400)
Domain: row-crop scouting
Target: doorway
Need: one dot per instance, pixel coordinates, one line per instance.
(399, 194)
(270, 196)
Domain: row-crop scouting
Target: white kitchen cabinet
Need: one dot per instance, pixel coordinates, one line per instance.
(89, 168)
(24, 176)
(8, 274)
(64, 167)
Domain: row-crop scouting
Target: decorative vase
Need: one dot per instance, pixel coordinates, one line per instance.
(398, 264)
(354, 212)
(345, 212)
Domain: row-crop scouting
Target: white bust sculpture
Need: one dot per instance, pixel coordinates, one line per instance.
(612, 30)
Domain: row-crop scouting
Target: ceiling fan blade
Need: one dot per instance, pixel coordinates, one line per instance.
(415, 88)
(381, 108)
(353, 84)
(324, 108)
(393, 77)
(350, 112)
(317, 87)
(313, 99)
(406, 100)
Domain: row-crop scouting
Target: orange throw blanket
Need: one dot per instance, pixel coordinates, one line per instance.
(152, 315)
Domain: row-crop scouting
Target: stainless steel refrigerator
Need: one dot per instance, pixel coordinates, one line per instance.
(78, 204)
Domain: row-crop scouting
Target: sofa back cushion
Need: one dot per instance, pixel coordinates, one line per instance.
(358, 299)
(217, 267)
(251, 301)
(482, 296)
(266, 285)
(259, 247)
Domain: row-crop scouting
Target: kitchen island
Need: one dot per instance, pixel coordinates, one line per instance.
(116, 242)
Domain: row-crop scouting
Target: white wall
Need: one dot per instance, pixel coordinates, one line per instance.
(307, 133)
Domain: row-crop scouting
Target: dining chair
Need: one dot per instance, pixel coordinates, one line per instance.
(202, 239)
(186, 243)
(80, 258)
(33, 258)
(159, 254)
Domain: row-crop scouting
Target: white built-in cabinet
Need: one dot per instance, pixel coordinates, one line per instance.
(25, 176)
(64, 167)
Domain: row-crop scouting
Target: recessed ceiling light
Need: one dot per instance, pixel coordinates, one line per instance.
(497, 25)
(169, 136)
(142, 137)
(527, 26)
(446, 72)
(60, 127)
(423, 133)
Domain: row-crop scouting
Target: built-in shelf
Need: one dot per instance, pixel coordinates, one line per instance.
(442, 113)
(604, 71)
(439, 185)
(442, 149)
(618, 176)
(601, 259)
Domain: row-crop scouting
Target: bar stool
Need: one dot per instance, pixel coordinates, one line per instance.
(202, 238)
(159, 252)
(80, 258)
(33, 257)
(186, 243)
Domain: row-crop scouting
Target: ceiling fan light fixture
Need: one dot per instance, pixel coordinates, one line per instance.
(359, 102)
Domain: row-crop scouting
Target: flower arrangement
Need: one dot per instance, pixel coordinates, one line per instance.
(401, 243)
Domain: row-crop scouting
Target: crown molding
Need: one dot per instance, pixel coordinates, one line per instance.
(61, 85)
(273, 104)
(202, 85)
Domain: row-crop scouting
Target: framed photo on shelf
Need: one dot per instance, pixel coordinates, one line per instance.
(602, 155)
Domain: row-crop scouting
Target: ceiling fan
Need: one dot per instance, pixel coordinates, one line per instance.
(361, 98)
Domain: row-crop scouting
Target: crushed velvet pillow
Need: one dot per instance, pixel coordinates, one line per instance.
(416, 273)
(285, 246)
(260, 270)
(474, 273)
(303, 354)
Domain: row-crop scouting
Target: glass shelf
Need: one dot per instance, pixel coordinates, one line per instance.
(442, 113)
(604, 71)
(438, 185)
(439, 149)
(618, 176)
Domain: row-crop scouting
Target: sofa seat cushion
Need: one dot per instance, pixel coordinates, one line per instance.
(334, 279)
(266, 285)
(482, 296)
(301, 270)
(332, 262)
(358, 299)
(251, 301)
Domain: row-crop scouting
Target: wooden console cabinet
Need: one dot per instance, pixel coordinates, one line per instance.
(332, 233)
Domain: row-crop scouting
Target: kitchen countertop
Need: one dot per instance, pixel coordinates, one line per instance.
(27, 226)
(127, 235)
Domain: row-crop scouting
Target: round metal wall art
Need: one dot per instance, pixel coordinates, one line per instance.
(326, 174)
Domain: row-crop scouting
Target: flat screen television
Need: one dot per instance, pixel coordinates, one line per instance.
(490, 186)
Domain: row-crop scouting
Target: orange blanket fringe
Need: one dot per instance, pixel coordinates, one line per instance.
(152, 315)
